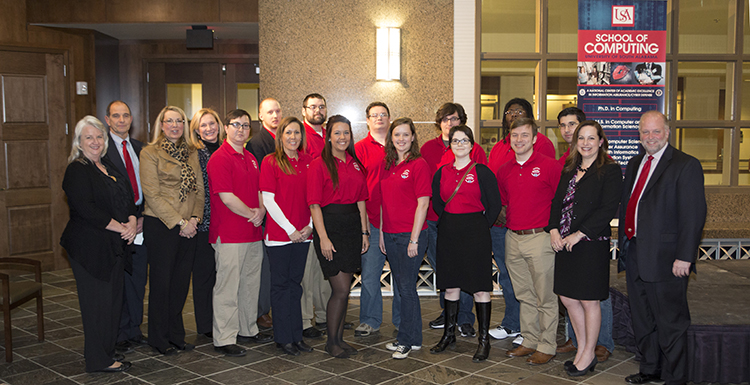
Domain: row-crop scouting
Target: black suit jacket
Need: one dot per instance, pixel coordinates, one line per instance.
(114, 157)
(261, 145)
(596, 201)
(671, 213)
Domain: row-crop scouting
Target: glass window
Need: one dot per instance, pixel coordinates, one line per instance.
(744, 157)
(189, 97)
(712, 147)
(707, 26)
(704, 91)
(247, 98)
(562, 26)
(562, 86)
(745, 112)
(509, 26)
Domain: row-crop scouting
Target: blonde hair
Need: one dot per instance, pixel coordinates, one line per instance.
(195, 125)
(158, 134)
(88, 120)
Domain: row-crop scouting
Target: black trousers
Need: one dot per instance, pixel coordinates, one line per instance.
(660, 316)
(170, 258)
(134, 289)
(264, 296)
(287, 268)
(204, 278)
(100, 304)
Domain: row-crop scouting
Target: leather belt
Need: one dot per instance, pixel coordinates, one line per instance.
(529, 231)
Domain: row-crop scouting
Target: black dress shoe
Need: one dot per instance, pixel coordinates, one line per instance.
(124, 347)
(140, 340)
(231, 350)
(170, 351)
(290, 349)
(348, 325)
(642, 378)
(312, 332)
(567, 365)
(303, 347)
(209, 335)
(118, 357)
(185, 346)
(124, 365)
(258, 338)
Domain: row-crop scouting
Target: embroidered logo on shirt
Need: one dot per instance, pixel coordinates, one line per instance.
(405, 174)
(254, 163)
(469, 178)
(356, 166)
(536, 171)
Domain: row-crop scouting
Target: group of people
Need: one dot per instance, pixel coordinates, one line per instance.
(240, 214)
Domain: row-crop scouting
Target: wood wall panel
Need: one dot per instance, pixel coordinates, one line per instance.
(239, 11)
(59, 148)
(26, 63)
(24, 131)
(212, 86)
(22, 103)
(12, 20)
(27, 197)
(57, 11)
(162, 11)
(30, 229)
(27, 164)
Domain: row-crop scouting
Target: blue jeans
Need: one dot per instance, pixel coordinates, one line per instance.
(405, 271)
(605, 332)
(370, 296)
(512, 306)
(466, 301)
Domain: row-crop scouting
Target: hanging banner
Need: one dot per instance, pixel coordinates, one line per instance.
(621, 67)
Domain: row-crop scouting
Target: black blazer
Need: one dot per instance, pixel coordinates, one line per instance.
(595, 204)
(261, 145)
(85, 237)
(114, 157)
(487, 185)
(671, 213)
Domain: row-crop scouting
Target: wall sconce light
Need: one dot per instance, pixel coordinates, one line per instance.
(388, 65)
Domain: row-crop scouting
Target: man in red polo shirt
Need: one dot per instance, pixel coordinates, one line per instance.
(315, 290)
(527, 186)
(237, 213)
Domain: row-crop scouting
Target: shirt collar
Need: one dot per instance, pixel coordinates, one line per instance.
(117, 139)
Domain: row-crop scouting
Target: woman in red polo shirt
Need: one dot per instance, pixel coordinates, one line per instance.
(467, 200)
(405, 190)
(336, 193)
(283, 181)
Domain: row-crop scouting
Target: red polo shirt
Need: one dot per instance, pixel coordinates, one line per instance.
(290, 194)
(468, 199)
(437, 154)
(502, 152)
(528, 190)
(400, 187)
(352, 186)
(371, 154)
(315, 142)
(230, 171)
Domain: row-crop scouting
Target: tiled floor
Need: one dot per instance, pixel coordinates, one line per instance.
(59, 359)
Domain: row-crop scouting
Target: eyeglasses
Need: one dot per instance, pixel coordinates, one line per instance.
(451, 119)
(516, 112)
(461, 142)
(313, 108)
(382, 115)
(240, 126)
(172, 122)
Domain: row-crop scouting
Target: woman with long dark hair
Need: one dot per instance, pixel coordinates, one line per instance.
(586, 200)
(337, 191)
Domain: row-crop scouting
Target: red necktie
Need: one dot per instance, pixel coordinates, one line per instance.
(635, 197)
(131, 170)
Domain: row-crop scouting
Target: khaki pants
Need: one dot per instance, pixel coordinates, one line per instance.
(531, 266)
(315, 291)
(236, 290)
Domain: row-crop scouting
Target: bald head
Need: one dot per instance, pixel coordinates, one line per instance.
(269, 112)
(654, 131)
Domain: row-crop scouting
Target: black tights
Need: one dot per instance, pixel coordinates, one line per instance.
(336, 312)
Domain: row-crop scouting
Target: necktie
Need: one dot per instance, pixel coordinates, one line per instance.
(131, 170)
(635, 197)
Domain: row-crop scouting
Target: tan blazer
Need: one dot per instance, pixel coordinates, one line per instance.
(160, 180)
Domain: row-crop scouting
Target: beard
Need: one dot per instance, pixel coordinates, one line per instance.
(317, 118)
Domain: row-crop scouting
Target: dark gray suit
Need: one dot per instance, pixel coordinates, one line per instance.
(135, 283)
(671, 215)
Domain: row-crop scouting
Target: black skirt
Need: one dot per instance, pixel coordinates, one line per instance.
(583, 273)
(464, 252)
(344, 228)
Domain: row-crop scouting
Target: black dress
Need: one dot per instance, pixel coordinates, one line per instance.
(343, 226)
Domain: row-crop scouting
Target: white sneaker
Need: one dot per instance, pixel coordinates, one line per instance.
(501, 333)
(393, 346)
(364, 330)
(518, 340)
(401, 352)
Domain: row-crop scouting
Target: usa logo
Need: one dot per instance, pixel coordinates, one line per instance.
(623, 15)
(535, 172)
(469, 178)
(254, 163)
(405, 174)
(356, 166)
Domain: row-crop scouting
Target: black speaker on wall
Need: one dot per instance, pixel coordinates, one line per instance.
(200, 37)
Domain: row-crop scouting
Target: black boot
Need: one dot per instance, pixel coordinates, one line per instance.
(483, 319)
(449, 331)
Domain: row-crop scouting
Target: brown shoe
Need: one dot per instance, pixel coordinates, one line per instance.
(265, 321)
(520, 351)
(566, 347)
(539, 358)
(602, 354)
